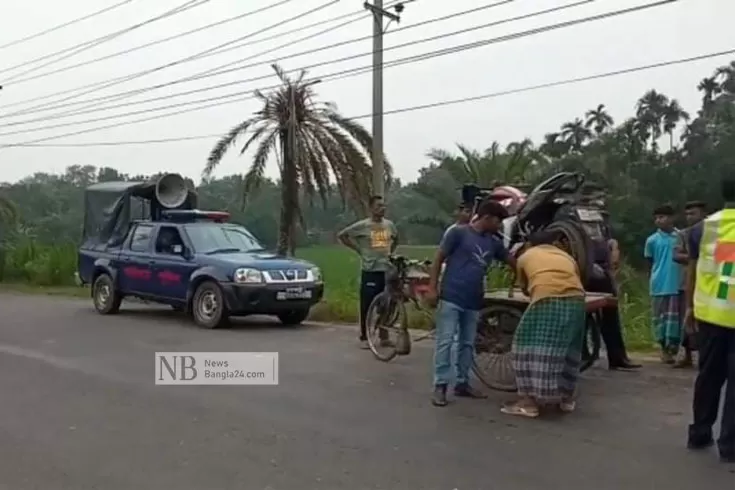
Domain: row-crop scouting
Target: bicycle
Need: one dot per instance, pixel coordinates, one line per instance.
(406, 283)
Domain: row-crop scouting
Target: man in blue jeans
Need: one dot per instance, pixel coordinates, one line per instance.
(468, 252)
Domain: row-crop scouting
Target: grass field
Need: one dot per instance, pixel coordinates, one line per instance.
(34, 268)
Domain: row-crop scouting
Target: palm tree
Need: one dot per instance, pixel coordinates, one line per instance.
(650, 112)
(311, 142)
(710, 89)
(598, 119)
(554, 146)
(575, 134)
(673, 114)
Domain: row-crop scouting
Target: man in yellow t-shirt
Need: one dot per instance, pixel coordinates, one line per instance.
(374, 239)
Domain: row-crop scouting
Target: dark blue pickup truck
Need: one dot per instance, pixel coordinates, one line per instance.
(196, 262)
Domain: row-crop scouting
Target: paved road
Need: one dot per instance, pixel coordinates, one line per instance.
(80, 411)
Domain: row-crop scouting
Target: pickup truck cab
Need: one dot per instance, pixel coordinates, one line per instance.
(197, 262)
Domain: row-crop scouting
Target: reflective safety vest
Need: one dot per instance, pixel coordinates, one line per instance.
(714, 294)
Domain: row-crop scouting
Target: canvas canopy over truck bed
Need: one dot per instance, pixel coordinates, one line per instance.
(111, 207)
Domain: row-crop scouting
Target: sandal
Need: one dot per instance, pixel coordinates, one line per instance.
(568, 407)
(521, 411)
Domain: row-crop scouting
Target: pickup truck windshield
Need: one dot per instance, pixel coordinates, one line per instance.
(214, 238)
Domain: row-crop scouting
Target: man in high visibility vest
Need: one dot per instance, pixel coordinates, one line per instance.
(710, 296)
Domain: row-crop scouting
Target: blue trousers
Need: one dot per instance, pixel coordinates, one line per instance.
(453, 320)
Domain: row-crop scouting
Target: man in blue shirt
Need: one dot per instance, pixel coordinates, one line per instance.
(468, 252)
(664, 284)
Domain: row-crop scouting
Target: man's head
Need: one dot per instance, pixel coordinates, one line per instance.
(694, 212)
(463, 213)
(490, 216)
(377, 207)
(663, 217)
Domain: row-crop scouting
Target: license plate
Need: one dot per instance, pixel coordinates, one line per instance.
(293, 293)
(589, 215)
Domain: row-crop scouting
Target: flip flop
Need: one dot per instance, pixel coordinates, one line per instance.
(568, 407)
(520, 411)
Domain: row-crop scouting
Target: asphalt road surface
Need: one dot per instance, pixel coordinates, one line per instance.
(80, 411)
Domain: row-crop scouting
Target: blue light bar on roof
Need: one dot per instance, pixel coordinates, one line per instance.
(191, 215)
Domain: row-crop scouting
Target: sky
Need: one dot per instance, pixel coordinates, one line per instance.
(680, 29)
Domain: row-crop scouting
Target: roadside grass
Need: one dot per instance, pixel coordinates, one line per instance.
(31, 268)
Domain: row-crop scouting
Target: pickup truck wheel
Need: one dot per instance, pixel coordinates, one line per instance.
(105, 297)
(208, 306)
(293, 317)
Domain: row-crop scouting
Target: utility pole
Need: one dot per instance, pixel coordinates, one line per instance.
(378, 14)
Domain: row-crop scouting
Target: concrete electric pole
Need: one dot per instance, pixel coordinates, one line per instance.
(378, 15)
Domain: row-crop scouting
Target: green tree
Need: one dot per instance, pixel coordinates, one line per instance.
(311, 142)
(650, 111)
(575, 134)
(672, 116)
(598, 119)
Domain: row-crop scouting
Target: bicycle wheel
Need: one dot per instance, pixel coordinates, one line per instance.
(592, 343)
(492, 362)
(384, 321)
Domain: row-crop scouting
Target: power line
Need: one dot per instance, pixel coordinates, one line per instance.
(221, 69)
(96, 101)
(65, 24)
(115, 81)
(74, 50)
(352, 72)
(153, 43)
(503, 93)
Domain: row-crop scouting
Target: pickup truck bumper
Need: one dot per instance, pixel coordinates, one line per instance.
(269, 299)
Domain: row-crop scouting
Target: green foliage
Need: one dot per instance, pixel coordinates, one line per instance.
(42, 265)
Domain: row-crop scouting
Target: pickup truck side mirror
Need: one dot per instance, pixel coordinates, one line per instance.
(178, 249)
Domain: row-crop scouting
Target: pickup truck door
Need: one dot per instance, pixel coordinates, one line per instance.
(171, 269)
(136, 261)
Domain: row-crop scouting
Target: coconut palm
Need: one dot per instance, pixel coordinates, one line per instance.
(575, 134)
(710, 89)
(673, 115)
(554, 146)
(312, 143)
(598, 119)
(650, 112)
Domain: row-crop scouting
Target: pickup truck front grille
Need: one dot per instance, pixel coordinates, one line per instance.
(288, 275)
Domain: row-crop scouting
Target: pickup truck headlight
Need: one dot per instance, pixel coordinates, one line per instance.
(316, 273)
(247, 276)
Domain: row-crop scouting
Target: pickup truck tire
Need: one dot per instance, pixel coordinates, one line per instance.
(208, 306)
(292, 318)
(105, 296)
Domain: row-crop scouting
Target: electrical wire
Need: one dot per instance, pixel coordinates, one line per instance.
(79, 48)
(108, 83)
(157, 41)
(65, 24)
(411, 59)
(95, 102)
(216, 70)
(558, 83)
